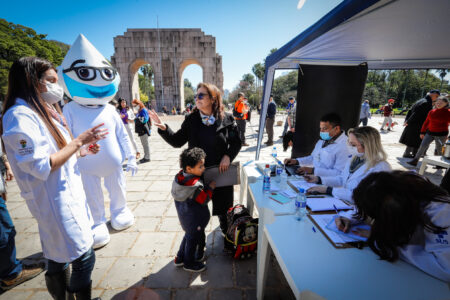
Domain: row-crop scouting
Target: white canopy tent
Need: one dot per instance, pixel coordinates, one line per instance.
(386, 34)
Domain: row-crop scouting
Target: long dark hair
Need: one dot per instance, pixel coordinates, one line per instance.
(23, 82)
(119, 105)
(396, 202)
(218, 110)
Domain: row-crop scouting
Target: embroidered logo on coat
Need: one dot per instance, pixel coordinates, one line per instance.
(24, 149)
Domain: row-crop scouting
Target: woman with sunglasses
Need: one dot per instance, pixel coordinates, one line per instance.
(367, 156)
(41, 152)
(210, 128)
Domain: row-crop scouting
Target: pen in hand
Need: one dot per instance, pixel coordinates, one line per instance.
(339, 216)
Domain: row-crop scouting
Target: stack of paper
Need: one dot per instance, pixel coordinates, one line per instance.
(289, 193)
(301, 184)
(327, 203)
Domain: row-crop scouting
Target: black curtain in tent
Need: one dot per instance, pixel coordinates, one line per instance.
(322, 90)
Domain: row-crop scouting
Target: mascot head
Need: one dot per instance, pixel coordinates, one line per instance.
(86, 76)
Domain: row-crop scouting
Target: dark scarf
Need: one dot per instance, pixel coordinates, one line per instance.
(356, 163)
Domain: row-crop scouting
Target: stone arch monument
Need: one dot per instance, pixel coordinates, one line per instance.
(169, 52)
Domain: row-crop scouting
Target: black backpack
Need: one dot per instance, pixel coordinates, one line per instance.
(237, 114)
(242, 232)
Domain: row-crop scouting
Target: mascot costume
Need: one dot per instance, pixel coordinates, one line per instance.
(91, 82)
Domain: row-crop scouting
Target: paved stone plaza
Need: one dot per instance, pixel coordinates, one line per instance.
(142, 255)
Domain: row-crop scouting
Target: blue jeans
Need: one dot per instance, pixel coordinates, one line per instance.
(10, 266)
(81, 270)
(193, 218)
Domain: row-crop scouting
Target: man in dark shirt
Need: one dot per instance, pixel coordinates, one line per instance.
(270, 120)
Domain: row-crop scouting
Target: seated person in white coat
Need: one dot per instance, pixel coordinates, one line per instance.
(330, 153)
(409, 217)
(367, 156)
(43, 158)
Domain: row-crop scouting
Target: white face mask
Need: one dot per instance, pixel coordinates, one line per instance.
(354, 152)
(53, 94)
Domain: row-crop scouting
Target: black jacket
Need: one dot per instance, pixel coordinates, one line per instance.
(415, 118)
(227, 142)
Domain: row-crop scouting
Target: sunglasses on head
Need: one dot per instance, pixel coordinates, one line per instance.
(200, 96)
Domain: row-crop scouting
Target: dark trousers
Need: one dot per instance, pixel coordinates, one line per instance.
(193, 218)
(269, 129)
(364, 121)
(10, 266)
(81, 270)
(241, 128)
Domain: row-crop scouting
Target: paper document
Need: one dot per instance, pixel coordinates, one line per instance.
(279, 198)
(327, 203)
(289, 193)
(230, 177)
(322, 221)
(350, 234)
(301, 184)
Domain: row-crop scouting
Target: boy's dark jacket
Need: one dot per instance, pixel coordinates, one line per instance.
(188, 187)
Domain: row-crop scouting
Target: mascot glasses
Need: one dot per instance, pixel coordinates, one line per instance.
(88, 73)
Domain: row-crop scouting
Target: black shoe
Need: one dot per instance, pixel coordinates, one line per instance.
(408, 156)
(245, 144)
(438, 167)
(413, 162)
(85, 294)
(195, 268)
(144, 160)
(57, 285)
(281, 136)
(269, 143)
(178, 261)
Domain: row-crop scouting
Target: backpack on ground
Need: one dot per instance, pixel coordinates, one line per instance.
(242, 232)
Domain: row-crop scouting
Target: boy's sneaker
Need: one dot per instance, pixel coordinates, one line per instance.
(196, 267)
(178, 261)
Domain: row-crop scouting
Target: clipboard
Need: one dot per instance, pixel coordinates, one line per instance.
(343, 245)
(230, 177)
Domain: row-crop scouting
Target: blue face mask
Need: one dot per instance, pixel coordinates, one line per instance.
(82, 90)
(325, 136)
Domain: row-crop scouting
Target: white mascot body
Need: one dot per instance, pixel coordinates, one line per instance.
(91, 82)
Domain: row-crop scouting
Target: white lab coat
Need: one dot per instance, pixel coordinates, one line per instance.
(55, 198)
(426, 250)
(344, 184)
(429, 251)
(328, 161)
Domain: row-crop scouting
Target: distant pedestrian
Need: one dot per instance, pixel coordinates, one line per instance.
(270, 120)
(388, 111)
(142, 128)
(127, 116)
(414, 121)
(364, 115)
(290, 106)
(434, 128)
(241, 110)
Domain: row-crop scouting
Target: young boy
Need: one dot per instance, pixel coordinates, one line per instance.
(191, 199)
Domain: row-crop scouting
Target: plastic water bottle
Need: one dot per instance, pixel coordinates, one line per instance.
(266, 182)
(274, 154)
(300, 205)
(283, 179)
(279, 170)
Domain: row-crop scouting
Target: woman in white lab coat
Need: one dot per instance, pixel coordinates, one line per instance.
(42, 156)
(410, 220)
(366, 156)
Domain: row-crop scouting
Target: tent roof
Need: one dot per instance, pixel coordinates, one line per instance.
(387, 34)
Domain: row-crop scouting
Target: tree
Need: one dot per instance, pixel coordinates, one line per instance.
(18, 41)
(442, 74)
(188, 92)
(145, 82)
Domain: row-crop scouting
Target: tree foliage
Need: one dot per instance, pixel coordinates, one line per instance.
(405, 86)
(18, 41)
(146, 88)
(188, 92)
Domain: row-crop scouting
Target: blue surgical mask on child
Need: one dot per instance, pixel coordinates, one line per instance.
(325, 136)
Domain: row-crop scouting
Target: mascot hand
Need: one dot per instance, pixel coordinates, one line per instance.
(132, 166)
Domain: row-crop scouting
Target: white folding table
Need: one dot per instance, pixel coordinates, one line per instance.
(436, 160)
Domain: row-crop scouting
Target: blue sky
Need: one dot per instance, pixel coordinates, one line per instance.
(245, 30)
